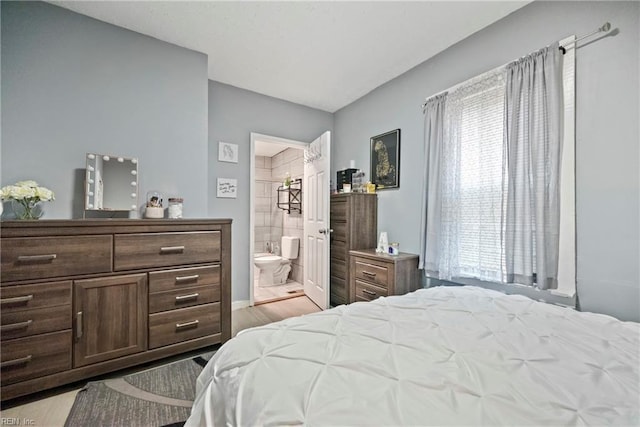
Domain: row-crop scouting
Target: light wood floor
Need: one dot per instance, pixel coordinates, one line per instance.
(51, 408)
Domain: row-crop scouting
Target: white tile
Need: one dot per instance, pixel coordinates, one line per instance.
(260, 219)
(297, 169)
(267, 162)
(259, 162)
(263, 174)
(277, 160)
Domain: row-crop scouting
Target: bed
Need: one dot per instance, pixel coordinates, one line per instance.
(437, 356)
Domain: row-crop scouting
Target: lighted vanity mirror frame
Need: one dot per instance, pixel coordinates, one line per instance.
(111, 183)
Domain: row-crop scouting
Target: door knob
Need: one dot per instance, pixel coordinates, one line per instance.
(325, 230)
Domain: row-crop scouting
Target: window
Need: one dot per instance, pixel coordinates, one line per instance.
(473, 188)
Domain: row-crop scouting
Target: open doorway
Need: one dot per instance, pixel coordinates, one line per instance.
(275, 220)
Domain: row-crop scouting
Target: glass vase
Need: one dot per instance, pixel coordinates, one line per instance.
(27, 209)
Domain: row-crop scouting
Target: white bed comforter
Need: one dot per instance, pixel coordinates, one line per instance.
(443, 356)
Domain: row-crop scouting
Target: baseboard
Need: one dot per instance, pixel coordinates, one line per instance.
(237, 305)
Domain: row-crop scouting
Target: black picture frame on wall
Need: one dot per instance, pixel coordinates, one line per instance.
(385, 160)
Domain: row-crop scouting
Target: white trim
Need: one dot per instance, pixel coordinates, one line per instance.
(237, 305)
(252, 181)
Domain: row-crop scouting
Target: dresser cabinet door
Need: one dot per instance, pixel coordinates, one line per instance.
(110, 318)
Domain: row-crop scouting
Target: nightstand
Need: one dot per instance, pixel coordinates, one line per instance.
(374, 275)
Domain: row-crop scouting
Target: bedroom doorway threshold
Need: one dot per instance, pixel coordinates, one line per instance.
(293, 294)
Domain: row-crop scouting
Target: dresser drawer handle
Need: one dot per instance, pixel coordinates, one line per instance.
(15, 326)
(79, 325)
(15, 362)
(27, 258)
(187, 278)
(171, 249)
(16, 300)
(369, 274)
(181, 298)
(187, 324)
(373, 294)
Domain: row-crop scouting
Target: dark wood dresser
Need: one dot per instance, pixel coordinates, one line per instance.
(81, 298)
(374, 275)
(354, 221)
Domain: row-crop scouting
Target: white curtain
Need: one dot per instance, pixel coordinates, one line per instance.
(533, 146)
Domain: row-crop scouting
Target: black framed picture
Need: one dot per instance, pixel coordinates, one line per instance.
(385, 160)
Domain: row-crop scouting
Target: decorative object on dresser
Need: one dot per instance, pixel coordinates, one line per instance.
(111, 183)
(354, 221)
(375, 275)
(84, 297)
(25, 197)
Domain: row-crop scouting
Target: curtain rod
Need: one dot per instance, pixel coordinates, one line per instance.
(604, 29)
(563, 48)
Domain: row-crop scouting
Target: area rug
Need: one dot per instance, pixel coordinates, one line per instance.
(156, 397)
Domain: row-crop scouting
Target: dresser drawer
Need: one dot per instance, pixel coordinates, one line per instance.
(180, 278)
(169, 300)
(32, 357)
(165, 249)
(25, 323)
(338, 210)
(377, 274)
(338, 268)
(339, 230)
(183, 324)
(26, 258)
(365, 291)
(25, 297)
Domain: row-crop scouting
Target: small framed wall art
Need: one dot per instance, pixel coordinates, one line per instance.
(385, 160)
(227, 152)
(227, 188)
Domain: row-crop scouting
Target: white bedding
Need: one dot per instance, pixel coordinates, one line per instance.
(443, 356)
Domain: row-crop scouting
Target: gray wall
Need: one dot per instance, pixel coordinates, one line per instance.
(72, 85)
(607, 135)
(233, 114)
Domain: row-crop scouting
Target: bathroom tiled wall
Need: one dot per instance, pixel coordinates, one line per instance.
(272, 223)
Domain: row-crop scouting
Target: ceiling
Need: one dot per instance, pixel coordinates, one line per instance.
(324, 55)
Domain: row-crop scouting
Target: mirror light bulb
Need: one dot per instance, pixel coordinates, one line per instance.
(90, 205)
(90, 168)
(133, 207)
(134, 161)
(133, 183)
(106, 158)
(133, 194)
(134, 172)
(91, 193)
(120, 160)
(90, 181)
(91, 156)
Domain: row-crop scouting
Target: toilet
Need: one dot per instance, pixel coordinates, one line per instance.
(275, 269)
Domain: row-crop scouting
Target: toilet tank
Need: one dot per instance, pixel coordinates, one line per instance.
(290, 247)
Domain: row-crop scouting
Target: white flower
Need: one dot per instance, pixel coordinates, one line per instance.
(27, 191)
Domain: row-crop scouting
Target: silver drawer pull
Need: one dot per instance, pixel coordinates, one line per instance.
(15, 326)
(171, 249)
(373, 294)
(368, 273)
(187, 324)
(16, 300)
(27, 258)
(187, 297)
(15, 362)
(187, 278)
(79, 325)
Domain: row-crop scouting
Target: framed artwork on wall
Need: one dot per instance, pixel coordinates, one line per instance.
(227, 152)
(227, 188)
(385, 160)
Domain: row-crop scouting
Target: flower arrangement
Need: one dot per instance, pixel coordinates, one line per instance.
(26, 195)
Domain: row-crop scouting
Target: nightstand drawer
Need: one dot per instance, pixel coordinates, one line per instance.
(177, 279)
(165, 249)
(180, 298)
(26, 258)
(36, 356)
(36, 321)
(183, 324)
(367, 292)
(376, 274)
(26, 297)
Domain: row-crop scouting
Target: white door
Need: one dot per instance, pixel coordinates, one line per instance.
(316, 220)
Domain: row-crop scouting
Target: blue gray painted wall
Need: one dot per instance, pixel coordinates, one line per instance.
(72, 85)
(233, 114)
(607, 135)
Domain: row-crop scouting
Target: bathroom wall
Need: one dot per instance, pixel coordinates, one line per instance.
(271, 223)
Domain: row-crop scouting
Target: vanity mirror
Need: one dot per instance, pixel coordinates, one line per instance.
(111, 183)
